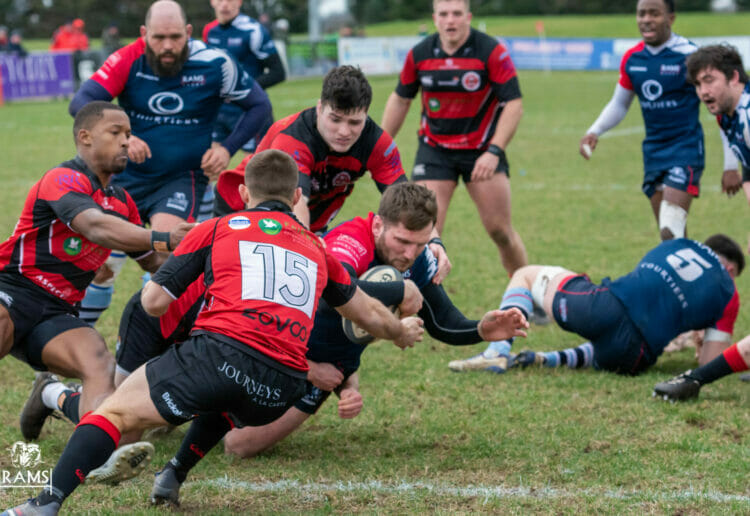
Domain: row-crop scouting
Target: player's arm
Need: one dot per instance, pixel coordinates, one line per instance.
(396, 109)
(88, 92)
(611, 115)
(731, 180)
(273, 71)
(488, 161)
(323, 375)
(302, 211)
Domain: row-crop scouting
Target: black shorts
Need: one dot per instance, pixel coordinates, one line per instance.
(314, 398)
(593, 312)
(206, 375)
(37, 317)
(448, 164)
(139, 338)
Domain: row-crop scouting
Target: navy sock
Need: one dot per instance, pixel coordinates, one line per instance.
(204, 433)
(91, 444)
(70, 406)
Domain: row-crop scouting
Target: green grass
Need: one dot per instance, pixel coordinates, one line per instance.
(536, 441)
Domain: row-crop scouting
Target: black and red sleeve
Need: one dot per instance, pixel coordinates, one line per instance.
(502, 74)
(67, 192)
(408, 83)
(384, 163)
(339, 289)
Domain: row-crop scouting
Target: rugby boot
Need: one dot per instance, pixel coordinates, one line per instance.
(125, 462)
(34, 412)
(166, 488)
(528, 358)
(681, 387)
(30, 508)
(488, 360)
(745, 377)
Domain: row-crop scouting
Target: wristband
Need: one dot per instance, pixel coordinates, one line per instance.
(495, 151)
(436, 240)
(160, 241)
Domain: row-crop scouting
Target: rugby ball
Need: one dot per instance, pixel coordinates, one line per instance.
(379, 273)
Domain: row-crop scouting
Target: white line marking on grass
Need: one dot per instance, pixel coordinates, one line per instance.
(486, 492)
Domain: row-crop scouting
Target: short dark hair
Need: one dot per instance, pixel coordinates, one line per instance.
(728, 248)
(724, 58)
(670, 5)
(345, 88)
(90, 114)
(272, 174)
(411, 204)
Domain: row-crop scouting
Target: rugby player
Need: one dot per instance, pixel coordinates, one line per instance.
(233, 370)
(678, 286)
(471, 107)
(71, 219)
(334, 144)
(397, 235)
(172, 88)
(673, 152)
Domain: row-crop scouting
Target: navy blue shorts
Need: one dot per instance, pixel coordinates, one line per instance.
(180, 196)
(448, 164)
(683, 178)
(38, 317)
(226, 120)
(594, 313)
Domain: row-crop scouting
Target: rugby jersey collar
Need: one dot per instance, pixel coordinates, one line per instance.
(83, 168)
(462, 51)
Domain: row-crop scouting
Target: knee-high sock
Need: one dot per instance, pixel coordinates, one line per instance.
(99, 295)
(70, 406)
(204, 433)
(517, 297)
(575, 358)
(729, 362)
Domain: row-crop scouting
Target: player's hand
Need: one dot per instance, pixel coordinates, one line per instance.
(324, 376)
(179, 232)
(484, 167)
(444, 263)
(215, 160)
(138, 150)
(412, 329)
(103, 273)
(587, 145)
(731, 182)
(502, 324)
(350, 403)
(412, 301)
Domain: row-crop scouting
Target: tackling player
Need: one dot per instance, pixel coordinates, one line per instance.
(471, 107)
(397, 235)
(334, 144)
(673, 153)
(172, 88)
(71, 219)
(680, 285)
(234, 369)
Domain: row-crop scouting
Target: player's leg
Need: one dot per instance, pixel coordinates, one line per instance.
(436, 170)
(443, 190)
(6, 331)
(249, 441)
(687, 385)
(493, 200)
(673, 212)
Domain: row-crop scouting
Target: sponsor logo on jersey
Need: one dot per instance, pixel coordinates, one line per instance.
(72, 246)
(652, 89)
(194, 80)
(269, 226)
(471, 81)
(342, 179)
(239, 222)
(214, 42)
(426, 80)
(295, 328)
(637, 69)
(234, 42)
(146, 76)
(453, 82)
(667, 69)
(165, 103)
(434, 104)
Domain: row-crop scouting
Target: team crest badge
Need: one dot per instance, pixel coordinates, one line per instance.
(471, 81)
(270, 226)
(434, 104)
(72, 246)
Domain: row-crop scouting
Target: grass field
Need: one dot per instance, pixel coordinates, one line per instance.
(428, 440)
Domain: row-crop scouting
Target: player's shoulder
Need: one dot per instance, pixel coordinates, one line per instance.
(245, 23)
(681, 45)
(209, 27)
(638, 48)
(427, 48)
(126, 55)
(484, 41)
(200, 52)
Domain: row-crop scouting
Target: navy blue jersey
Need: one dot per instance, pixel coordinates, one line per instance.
(679, 285)
(353, 244)
(736, 129)
(245, 38)
(670, 106)
(174, 115)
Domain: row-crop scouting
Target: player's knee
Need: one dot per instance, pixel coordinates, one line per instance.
(236, 444)
(99, 364)
(672, 220)
(501, 236)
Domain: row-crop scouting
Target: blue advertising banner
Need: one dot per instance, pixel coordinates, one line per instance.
(38, 75)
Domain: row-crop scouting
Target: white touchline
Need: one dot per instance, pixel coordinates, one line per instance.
(486, 492)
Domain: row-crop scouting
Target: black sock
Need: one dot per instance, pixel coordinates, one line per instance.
(715, 369)
(88, 448)
(70, 406)
(204, 433)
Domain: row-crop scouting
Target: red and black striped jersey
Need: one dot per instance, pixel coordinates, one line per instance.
(462, 94)
(43, 246)
(327, 178)
(176, 323)
(264, 275)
